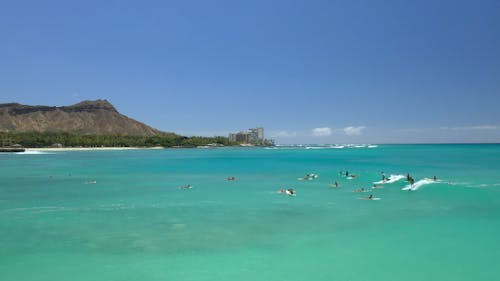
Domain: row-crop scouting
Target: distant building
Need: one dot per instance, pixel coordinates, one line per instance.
(257, 135)
(243, 137)
(253, 136)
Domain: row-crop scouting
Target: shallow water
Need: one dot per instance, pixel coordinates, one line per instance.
(136, 224)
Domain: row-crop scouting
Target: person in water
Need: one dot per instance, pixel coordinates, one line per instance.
(336, 184)
(231, 178)
(289, 191)
(435, 178)
(384, 178)
(359, 190)
(188, 186)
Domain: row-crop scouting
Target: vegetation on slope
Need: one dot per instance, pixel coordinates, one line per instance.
(36, 139)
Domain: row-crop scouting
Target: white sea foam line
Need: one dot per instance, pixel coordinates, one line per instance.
(418, 184)
(470, 184)
(337, 146)
(48, 208)
(33, 152)
(392, 179)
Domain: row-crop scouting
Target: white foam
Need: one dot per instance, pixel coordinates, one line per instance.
(35, 209)
(392, 179)
(418, 184)
(33, 152)
(321, 146)
(373, 198)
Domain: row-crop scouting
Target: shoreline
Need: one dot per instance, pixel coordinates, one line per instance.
(90, 148)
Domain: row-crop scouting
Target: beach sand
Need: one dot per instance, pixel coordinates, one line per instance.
(89, 148)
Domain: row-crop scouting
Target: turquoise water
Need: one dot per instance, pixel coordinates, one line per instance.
(136, 224)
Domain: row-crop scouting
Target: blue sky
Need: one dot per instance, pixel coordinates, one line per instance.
(307, 71)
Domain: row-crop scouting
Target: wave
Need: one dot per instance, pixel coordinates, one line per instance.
(392, 179)
(34, 209)
(418, 184)
(467, 184)
(31, 152)
(47, 209)
(321, 146)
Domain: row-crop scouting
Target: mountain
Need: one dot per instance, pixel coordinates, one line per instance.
(97, 117)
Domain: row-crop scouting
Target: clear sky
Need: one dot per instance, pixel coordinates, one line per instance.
(307, 71)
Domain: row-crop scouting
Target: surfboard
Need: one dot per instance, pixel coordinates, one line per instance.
(391, 179)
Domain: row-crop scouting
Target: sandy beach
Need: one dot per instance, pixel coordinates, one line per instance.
(89, 148)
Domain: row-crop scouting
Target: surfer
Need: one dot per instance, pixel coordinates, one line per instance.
(188, 186)
(309, 177)
(336, 184)
(231, 179)
(376, 186)
(359, 190)
(435, 178)
(289, 191)
(384, 177)
(412, 181)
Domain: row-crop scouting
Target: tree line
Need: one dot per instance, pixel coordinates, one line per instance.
(37, 140)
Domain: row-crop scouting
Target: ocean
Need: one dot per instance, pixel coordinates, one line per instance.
(121, 215)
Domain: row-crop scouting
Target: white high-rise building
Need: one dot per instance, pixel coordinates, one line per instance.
(253, 136)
